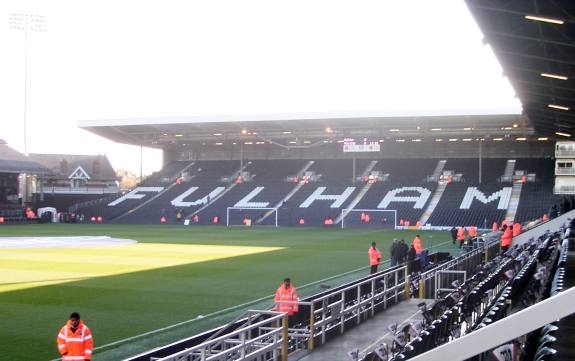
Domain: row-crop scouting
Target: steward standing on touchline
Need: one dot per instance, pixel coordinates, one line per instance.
(75, 341)
(374, 258)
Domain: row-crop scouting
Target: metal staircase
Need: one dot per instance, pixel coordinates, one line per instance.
(433, 203)
(514, 202)
(509, 170)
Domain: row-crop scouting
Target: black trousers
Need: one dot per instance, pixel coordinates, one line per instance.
(373, 270)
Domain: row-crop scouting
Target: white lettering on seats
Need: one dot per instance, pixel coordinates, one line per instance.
(133, 194)
(179, 200)
(338, 199)
(245, 202)
(393, 196)
(504, 196)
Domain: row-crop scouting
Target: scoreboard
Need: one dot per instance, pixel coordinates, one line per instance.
(351, 145)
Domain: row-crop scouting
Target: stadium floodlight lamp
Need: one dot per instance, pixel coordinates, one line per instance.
(545, 19)
(400, 140)
(497, 139)
(286, 132)
(416, 140)
(554, 76)
(468, 128)
(521, 139)
(542, 139)
(27, 22)
(435, 129)
(244, 131)
(560, 107)
(563, 134)
(439, 140)
(453, 139)
(217, 134)
(394, 130)
(466, 139)
(329, 130)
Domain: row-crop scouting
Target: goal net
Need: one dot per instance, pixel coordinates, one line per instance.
(369, 218)
(256, 216)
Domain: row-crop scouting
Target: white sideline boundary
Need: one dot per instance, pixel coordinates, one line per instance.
(62, 241)
(119, 342)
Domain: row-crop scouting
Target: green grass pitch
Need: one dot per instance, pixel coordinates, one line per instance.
(174, 274)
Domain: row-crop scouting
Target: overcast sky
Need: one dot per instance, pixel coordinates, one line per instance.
(110, 59)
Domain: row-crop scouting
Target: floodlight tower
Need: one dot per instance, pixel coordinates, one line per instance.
(28, 23)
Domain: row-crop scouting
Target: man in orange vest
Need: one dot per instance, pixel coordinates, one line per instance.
(461, 236)
(417, 244)
(374, 258)
(285, 295)
(516, 229)
(495, 227)
(506, 239)
(75, 340)
(472, 231)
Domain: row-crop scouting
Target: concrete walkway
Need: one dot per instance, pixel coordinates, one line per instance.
(369, 334)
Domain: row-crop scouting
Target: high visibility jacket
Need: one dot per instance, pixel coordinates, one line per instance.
(494, 227)
(507, 237)
(374, 256)
(75, 346)
(472, 231)
(284, 294)
(516, 229)
(460, 234)
(417, 245)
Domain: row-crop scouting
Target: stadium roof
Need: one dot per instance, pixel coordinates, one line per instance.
(283, 128)
(12, 161)
(535, 44)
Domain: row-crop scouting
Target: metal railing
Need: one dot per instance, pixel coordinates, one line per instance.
(337, 311)
(564, 171)
(263, 338)
(487, 250)
(79, 190)
(265, 335)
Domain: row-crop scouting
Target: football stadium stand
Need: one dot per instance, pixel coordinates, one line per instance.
(314, 191)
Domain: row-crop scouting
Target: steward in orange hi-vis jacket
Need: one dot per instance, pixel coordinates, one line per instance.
(417, 244)
(374, 258)
(75, 341)
(285, 295)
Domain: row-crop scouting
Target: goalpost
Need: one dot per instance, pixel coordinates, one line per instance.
(377, 218)
(236, 215)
